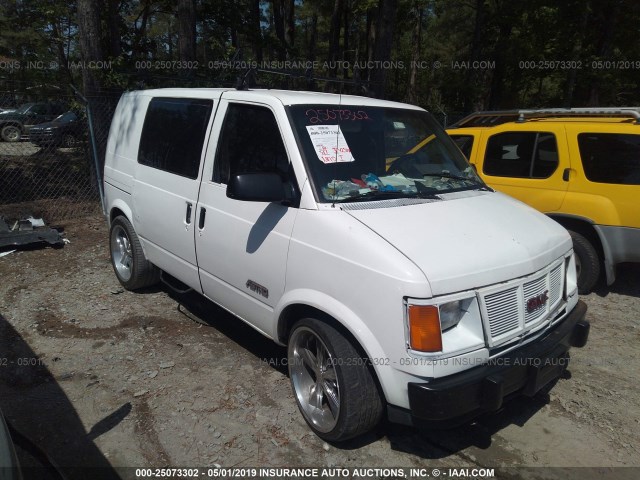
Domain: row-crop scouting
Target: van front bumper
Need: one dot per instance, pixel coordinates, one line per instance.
(456, 399)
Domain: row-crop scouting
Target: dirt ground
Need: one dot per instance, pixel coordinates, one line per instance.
(95, 376)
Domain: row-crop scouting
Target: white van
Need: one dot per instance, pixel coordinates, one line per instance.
(353, 231)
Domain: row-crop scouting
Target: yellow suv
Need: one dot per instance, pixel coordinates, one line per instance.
(579, 166)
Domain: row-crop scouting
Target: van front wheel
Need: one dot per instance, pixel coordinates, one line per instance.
(587, 262)
(332, 382)
(131, 267)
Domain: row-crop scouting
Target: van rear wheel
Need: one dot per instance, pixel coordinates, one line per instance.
(332, 382)
(587, 262)
(130, 265)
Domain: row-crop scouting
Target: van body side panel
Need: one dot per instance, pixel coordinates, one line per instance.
(124, 139)
(343, 268)
(160, 204)
(164, 200)
(242, 247)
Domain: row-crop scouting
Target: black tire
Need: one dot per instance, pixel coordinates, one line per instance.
(130, 265)
(68, 141)
(359, 403)
(587, 262)
(11, 133)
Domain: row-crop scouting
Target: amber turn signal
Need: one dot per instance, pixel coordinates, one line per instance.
(424, 328)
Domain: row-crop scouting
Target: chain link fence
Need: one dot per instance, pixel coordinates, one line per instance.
(47, 168)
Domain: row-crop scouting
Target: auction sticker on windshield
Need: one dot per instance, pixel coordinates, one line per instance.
(329, 143)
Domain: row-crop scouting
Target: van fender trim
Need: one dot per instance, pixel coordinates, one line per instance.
(121, 205)
(344, 317)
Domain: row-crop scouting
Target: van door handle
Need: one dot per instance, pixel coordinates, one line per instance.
(189, 208)
(203, 214)
(565, 174)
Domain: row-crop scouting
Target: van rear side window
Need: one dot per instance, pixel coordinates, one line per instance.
(173, 134)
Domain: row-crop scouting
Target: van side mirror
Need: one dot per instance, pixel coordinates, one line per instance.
(256, 187)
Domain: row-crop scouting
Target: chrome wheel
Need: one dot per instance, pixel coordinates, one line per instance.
(313, 375)
(121, 254)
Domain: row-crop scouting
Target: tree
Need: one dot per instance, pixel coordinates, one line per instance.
(334, 36)
(383, 43)
(90, 44)
(255, 35)
(417, 12)
(473, 75)
(186, 30)
(284, 25)
(114, 28)
(511, 36)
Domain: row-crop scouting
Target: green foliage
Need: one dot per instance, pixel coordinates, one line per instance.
(527, 53)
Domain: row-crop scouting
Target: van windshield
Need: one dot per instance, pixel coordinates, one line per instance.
(356, 153)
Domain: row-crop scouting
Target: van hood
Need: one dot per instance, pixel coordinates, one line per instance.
(469, 240)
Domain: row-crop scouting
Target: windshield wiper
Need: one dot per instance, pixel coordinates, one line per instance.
(375, 194)
(479, 185)
(448, 175)
(426, 192)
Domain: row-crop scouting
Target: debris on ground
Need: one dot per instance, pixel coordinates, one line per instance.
(29, 231)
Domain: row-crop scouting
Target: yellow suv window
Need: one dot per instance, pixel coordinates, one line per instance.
(464, 143)
(610, 157)
(521, 155)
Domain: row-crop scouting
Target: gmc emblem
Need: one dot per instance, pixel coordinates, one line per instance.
(534, 303)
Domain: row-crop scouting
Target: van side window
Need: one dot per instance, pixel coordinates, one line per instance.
(250, 142)
(610, 157)
(521, 155)
(173, 135)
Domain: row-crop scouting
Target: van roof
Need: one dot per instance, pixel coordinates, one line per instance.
(287, 97)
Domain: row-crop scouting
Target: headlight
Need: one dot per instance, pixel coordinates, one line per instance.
(450, 314)
(428, 322)
(571, 279)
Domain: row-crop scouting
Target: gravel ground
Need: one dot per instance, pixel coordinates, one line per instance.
(97, 376)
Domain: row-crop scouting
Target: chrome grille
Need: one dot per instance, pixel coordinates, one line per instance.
(501, 312)
(555, 287)
(532, 289)
(505, 312)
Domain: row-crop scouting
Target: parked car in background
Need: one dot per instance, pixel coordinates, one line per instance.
(15, 125)
(579, 166)
(64, 131)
